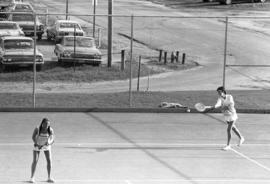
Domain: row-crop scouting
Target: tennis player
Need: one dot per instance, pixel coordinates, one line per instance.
(43, 137)
(226, 103)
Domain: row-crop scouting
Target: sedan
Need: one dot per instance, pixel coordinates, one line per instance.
(19, 51)
(22, 7)
(63, 28)
(27, 22)
(9, 28)
(79, 49)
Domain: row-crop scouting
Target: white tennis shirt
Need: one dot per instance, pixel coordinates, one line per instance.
(227, 107)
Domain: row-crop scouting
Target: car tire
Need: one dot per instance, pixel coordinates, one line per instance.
(49, 38)
(2, 68)
(38, 68)
(39, 36)
(60, 61)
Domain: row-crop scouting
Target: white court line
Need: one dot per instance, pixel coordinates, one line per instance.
(128, 182)
(166, 181)
(252, 160)
(165, 145)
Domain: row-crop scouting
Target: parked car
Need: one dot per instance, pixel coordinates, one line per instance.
(19, 51)
(63, 28)
(26, 22)
(6, 3)
(22, 7)
(5, 6)
(79, 49)
(8, 28)
(230, 1)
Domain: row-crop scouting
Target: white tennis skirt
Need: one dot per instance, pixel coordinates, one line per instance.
(44, 148)
(230, 117)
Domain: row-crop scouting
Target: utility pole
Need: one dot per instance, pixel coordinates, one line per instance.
(66, 9)
(110, 12)
(94, 17)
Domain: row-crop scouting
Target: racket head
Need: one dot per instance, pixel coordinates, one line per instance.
(200, 107)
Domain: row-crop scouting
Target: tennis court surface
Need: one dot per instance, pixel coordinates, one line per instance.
(137, 148)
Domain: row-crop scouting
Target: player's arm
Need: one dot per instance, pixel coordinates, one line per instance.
(34, 136)
(217, 105)
(51, 137)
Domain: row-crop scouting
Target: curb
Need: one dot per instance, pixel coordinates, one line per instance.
(128, 110)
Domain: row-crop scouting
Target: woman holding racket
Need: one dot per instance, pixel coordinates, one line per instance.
(43, 137)
(226, 103)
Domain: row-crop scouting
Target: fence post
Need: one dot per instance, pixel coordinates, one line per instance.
(165, 57)
(139, 72)
(160, 56)
(225, 51)
(172, 57)
(183, 58)
(34, 60)
(47, 17)
(131, 58)
(99, 37)
(122, 60)
(177, 56)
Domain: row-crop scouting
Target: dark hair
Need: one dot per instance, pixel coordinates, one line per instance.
(49, 127)
(221, 88)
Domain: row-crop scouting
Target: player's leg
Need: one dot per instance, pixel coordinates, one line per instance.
(48, 155)
(229, 135)
(34, 165)
(237, 132)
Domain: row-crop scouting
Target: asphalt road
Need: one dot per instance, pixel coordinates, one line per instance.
(202, 39)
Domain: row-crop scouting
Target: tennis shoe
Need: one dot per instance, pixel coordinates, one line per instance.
(241, 141)
(32, 180)
(226, 148)
(50, 180)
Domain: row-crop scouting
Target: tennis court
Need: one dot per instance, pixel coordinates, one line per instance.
(137, 148)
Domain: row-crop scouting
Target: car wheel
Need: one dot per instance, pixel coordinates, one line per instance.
(2, 68)
(60, 61)
(38, 67)
(39, 36)
(49, 38)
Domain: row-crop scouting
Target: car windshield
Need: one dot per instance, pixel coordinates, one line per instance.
(22, 17)
(24, 7)
(6, 1)
(8, 26)
(69, 25)
(18, 44)
(80, 42)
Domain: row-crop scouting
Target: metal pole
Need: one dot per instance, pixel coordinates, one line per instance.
(110, 33)
(94, 18)
(47, 17)
(139, 72)
(34, 64)
(131, 58)
(74, 51)
(66, 9)
(225, 51)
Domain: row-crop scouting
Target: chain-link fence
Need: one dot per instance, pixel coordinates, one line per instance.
(167, 53)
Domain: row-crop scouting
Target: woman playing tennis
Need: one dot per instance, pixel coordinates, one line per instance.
(226, 103)
(43, 137)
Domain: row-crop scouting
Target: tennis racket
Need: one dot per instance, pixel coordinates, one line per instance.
(42, 146)
(201, 107)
